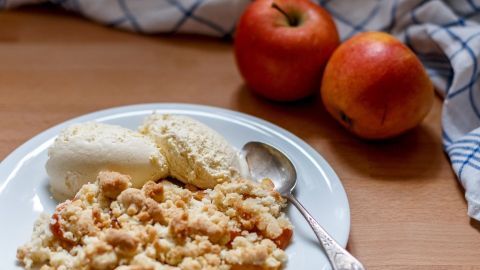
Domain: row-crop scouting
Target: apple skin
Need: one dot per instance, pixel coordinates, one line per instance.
(376, 87)
(279, 61)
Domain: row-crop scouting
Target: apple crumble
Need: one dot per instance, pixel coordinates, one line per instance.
(165, 225)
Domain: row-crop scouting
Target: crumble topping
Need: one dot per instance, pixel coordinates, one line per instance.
(110, 225)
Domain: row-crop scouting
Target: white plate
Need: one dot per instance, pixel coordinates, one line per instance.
(24, 184)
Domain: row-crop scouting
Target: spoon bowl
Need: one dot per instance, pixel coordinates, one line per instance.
(265, 161)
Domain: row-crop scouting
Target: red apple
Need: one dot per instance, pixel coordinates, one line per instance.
(376, 87)
(282, 47)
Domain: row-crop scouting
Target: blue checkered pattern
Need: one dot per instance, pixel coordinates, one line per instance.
(444, 34)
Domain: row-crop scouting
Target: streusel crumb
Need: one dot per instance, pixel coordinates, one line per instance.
(163, 226)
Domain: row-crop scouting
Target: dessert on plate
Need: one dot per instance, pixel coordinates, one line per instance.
(190, 208)
(196, 153)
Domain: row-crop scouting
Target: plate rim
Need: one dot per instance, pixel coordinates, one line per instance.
(14, 160)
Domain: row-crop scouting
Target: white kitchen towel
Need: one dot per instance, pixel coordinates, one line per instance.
(444, 34)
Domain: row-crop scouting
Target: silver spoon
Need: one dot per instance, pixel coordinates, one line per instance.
(265, 161)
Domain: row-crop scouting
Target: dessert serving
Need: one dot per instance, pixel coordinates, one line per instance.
(183, 204)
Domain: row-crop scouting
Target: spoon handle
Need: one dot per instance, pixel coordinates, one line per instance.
(338, 256)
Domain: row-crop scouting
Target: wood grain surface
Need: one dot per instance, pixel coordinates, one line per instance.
(407, 209)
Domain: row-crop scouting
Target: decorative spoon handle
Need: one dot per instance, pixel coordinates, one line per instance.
(339, 258)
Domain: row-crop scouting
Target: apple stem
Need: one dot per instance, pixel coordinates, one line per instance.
(292, 21)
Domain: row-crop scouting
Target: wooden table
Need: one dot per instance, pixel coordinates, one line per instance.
(407, 209)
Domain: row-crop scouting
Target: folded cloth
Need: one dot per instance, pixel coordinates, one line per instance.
(208, 17)
(444, 34)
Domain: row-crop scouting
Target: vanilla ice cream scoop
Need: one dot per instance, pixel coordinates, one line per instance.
(81, 151)
(196, 154)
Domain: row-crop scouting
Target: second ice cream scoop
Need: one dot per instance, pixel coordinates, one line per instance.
(196, 154)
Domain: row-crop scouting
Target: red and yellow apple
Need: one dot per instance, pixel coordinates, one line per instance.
(376, 87)
(282, 47)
